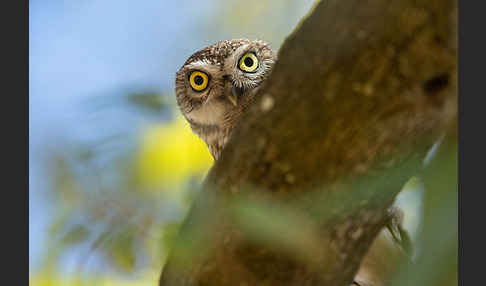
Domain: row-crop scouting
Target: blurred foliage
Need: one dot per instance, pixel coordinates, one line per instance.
(251, 18)
(126, 211)
(170, 153)
(149, 101)
(73, 280)
(436, 262)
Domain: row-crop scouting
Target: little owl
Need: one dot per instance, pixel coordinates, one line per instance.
(215, 86)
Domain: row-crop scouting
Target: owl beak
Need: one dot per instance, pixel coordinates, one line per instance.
(235, 94)
(209, 96)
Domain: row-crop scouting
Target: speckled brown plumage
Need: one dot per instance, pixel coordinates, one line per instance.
(213, 112)
(217, 52)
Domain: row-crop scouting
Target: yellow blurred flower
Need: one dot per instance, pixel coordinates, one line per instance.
(53, 279)
(170, 153)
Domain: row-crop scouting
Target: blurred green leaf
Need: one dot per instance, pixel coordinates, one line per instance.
(151, 101)
(268, 223)
(169, 235)
(121, 251)
(436, 263)
(77, 234)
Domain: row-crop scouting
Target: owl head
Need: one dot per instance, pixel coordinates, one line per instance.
(217, 83)
(215, 80)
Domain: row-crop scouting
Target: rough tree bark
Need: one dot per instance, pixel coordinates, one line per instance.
(360, 91)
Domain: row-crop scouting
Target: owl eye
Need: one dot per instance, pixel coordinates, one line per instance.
(198, 80)
(248, 62)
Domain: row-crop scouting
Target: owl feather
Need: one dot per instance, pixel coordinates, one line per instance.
(216, 85)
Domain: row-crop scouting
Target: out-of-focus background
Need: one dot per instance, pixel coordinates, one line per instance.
(113, 167)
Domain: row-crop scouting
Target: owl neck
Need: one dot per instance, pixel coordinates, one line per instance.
(214, 135)
(203, 128)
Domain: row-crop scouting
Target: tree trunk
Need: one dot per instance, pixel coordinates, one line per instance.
(360, 91)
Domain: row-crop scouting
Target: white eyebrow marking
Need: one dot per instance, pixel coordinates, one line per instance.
(205, 66)
(199, 63)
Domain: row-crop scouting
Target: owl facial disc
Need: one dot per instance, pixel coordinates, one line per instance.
(217, 84)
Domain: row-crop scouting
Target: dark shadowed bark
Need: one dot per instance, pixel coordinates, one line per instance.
(359, 93)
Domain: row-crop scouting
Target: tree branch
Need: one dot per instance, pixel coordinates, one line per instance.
(360, 90)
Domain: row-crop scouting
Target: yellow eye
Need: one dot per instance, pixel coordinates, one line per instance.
(198, 80)
(248, 62)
